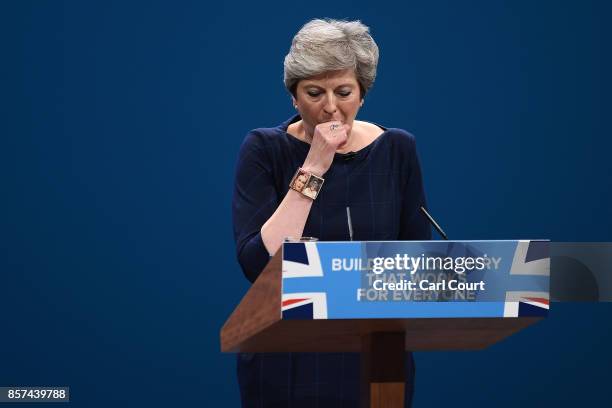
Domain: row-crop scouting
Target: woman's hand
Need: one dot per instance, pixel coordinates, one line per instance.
(326, 139)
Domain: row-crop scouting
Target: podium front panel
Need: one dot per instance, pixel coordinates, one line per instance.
(415, 279)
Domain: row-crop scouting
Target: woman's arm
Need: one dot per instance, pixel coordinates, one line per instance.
(261, 223)
(290, 217)
(288, 220)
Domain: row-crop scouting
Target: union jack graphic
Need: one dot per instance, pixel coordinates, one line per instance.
(301, 260)
(530, 258)
(304, 306)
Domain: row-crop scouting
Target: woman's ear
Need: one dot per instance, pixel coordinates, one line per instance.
(294, 101)
(361, 103)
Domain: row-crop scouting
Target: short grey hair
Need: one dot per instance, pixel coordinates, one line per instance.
(331, 45)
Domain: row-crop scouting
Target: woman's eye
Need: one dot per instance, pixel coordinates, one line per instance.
(343, 94)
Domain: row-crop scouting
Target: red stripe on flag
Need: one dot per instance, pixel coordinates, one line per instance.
(540, 300)
(292, 301)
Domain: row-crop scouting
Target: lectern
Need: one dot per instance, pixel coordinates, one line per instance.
(383, 298)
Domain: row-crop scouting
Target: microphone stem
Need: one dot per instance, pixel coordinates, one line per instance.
(350, 224)
(434, 223)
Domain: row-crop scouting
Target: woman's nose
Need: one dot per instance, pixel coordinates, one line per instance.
(330, 105)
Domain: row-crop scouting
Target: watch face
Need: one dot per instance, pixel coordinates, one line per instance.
(306, 183)
(312, 187)
(300, 180)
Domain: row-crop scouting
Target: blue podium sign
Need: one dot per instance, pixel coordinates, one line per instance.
(415, 279)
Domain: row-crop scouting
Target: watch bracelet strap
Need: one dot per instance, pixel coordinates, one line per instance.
(310, 187)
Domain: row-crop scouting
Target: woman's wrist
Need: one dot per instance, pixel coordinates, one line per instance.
(307, 183)
(316, 170)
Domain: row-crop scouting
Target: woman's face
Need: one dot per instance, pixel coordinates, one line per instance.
(333, 95)
(300, 181)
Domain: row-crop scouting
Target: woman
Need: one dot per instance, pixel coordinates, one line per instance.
(371, 169)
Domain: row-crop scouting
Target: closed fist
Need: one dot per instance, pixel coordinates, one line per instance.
(326, 139)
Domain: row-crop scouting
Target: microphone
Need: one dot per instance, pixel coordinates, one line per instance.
(434, 223)
(350, 223)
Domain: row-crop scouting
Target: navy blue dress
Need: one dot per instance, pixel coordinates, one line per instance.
(382, 185)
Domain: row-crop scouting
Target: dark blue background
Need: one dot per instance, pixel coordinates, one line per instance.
(121, 123)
